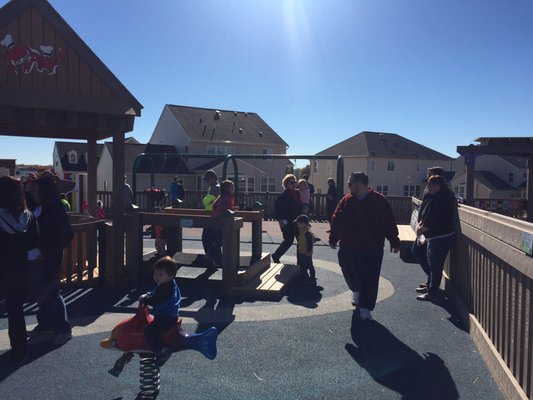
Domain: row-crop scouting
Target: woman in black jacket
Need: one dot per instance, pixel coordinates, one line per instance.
(55, 233)
(18, 236)
(332, 198)
(286, 210)
(434, 234)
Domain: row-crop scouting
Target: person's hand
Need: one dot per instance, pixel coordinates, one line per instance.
(394, 249)
(142, 299)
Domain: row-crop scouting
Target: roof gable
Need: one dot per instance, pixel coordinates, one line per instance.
(64, 148)
(383, 145)
(41, 55)
(206, 124)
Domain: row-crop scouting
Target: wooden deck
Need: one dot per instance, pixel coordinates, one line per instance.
(271, 284)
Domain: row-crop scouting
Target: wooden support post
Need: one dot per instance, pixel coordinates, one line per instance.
(529, 194)
(257, 239)
(133, 248)
(470, 160)
(115, 271)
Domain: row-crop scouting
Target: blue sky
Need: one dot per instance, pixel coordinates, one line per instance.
(438, 72)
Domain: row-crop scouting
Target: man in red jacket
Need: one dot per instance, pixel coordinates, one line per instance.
(361, 222)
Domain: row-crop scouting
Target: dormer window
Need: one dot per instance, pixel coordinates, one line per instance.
(72, 157)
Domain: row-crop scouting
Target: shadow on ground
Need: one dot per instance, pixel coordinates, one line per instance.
(393, 364)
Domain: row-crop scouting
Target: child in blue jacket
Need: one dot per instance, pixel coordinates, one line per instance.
(165, 302)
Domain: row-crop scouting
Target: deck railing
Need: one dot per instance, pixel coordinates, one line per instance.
(85, 258)
(490, 278)
(259, 201)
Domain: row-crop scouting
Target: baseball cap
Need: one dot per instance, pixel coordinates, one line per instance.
(209, 174)
(304, 219)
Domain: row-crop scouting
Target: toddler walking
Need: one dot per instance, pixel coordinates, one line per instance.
(304, 253)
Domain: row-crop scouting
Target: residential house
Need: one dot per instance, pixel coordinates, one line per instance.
(395, 165)
(165, 164)
(206, 131)
(7, 167)
(496, 177)
(70, 159)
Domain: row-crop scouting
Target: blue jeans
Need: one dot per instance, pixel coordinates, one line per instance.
(306, 264)
(153, 332)
(361, 270)
(208, 238)
(44, 285)
(214, 252)
(431, 257)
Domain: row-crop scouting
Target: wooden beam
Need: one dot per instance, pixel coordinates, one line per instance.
(116, 270)
(91, 173)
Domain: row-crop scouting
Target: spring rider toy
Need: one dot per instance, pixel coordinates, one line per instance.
(128, 337)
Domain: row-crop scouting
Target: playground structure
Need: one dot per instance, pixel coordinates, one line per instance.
(225, 160)
(255, 276)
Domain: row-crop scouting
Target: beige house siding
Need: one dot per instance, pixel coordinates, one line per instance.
(407, 172)
(169, 131)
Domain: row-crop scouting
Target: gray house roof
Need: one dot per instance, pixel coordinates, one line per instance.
(207, 124)
(63, 148)
(168, 164)
(517, 162)
(384, 145)
(491, 181)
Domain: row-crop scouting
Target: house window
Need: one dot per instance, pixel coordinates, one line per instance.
(373, 165)
(390, 166)
(330, 167)
(411, 190)
(251, 184)
(268, 184)
(460, 190)
(383, 189)
(510, 177)
(72, 157)
(266, 151)
(220, 150)
(315, 167)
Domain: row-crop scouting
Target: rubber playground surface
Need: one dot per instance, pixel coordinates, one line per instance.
(310, 345)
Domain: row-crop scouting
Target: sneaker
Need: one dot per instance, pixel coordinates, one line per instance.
(62, 338)
(40, 330)
(162, 357)
(364, 313)
(423, 285)
(421, 290)
(355, 299)
(427, 297)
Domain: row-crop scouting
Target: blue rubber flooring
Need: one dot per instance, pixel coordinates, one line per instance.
(412, 350)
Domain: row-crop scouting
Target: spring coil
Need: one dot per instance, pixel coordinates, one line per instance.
(149, 376)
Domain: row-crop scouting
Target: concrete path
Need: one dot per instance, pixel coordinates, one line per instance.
(310, 345)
